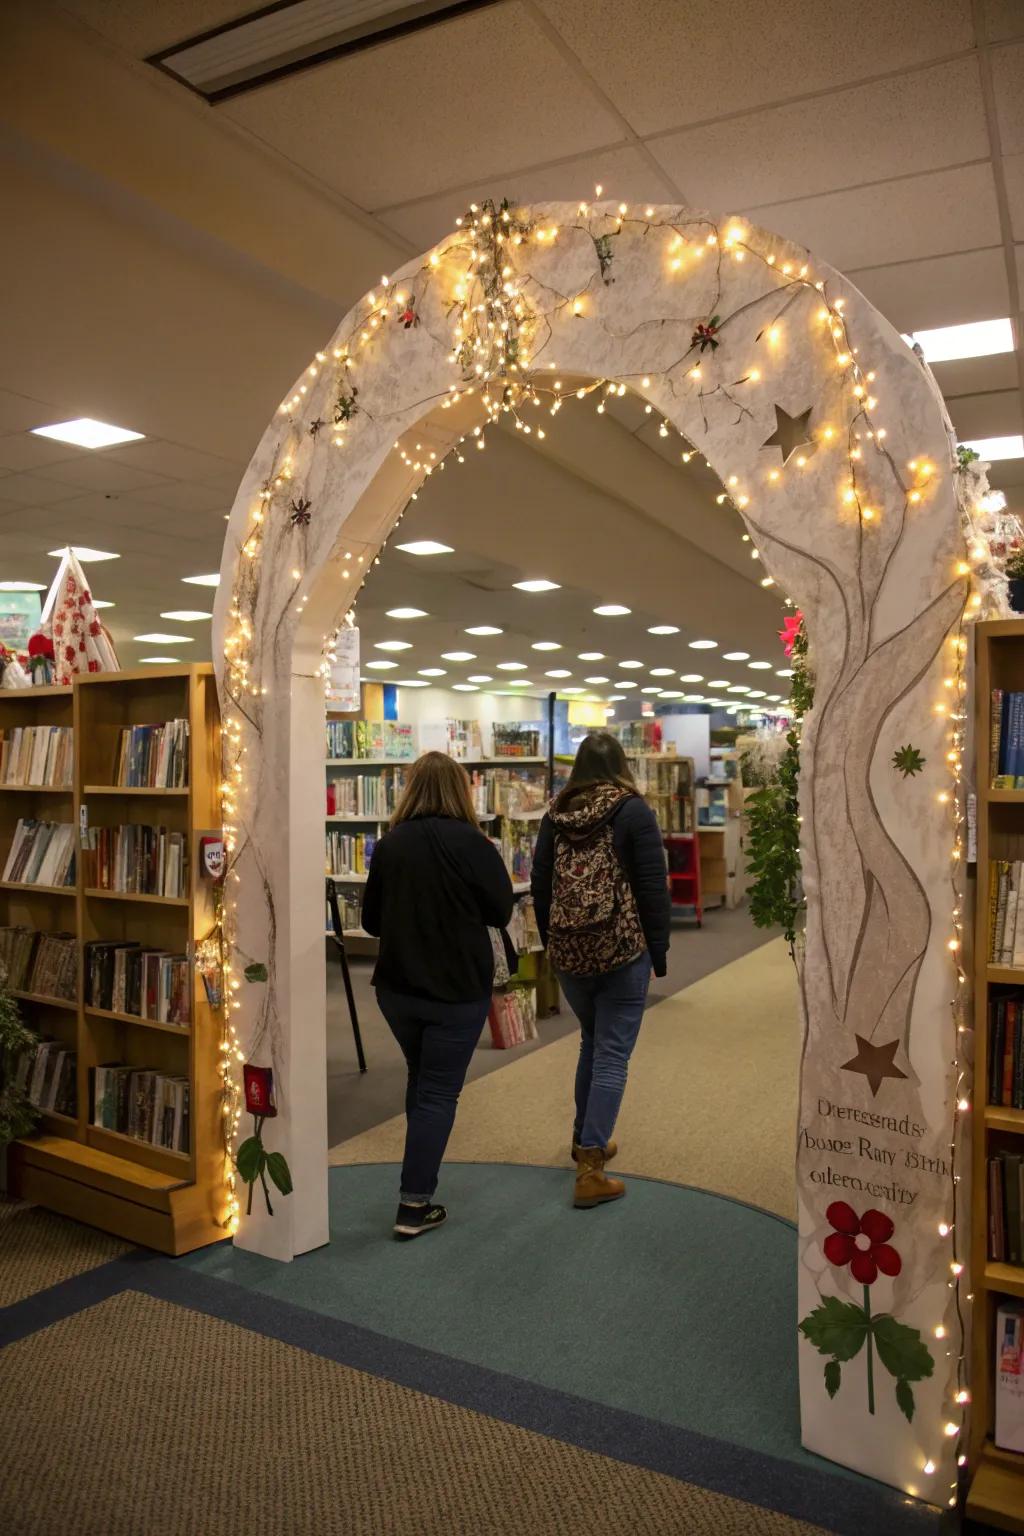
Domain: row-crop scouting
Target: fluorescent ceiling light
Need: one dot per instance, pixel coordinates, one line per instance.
(212, 580)
(624, 682)
(670, 693)
(22, 586)
(613, 698)
(693, 698)
(686, 677)
(392, 645)
(663, 629)
(760, 666)
(540, 585)
(84, 553)
(423, 671)
(425, 547)
(484, 629)
(186, 615)
(545, 645)
(157, 639)
(411, 682)
(757, 693)
(573, 689)
(83, 432)
(776, 698)
(716, 682)
(597, 681)
(465, 688)
(480, 677)
(631, 666)
(407, 613)
(784, 672)
(980, 338)
(591, 655)
(169, 661)
(560, 672)
(738, 688)
(457, 655)
(101, 602)
(992, 448)
(519, 682)
(612, 610)
(667, 672)
(381, 666)
(652, 689)
(511, 666)
(703, 645)
(736, 656)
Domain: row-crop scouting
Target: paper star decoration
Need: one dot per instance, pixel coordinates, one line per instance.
(790, 433)
(874, 1061)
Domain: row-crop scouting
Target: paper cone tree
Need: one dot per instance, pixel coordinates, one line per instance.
(80, 643)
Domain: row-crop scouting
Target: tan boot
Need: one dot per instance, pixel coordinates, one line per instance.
(609, 1152)
(593, 1186)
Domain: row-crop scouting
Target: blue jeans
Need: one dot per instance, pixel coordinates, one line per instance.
(437, 1041)
(610, 1009)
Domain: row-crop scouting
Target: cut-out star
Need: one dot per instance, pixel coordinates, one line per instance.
(874, 1061)
(791, 433)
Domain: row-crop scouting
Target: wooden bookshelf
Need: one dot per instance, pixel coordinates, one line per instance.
(997, 1486)
(165, 1199)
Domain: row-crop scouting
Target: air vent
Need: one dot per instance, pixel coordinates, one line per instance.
(281, 39)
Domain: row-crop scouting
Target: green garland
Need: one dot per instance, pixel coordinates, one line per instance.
(773, 811)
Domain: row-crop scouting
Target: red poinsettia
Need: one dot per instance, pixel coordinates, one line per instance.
(862, 1242)
(789, 631)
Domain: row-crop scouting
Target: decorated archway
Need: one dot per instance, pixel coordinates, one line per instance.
(832, 441)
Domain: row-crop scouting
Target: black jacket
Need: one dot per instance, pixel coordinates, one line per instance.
(641, 850)
(434, 888)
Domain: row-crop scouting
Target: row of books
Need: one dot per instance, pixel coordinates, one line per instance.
(1006, 1208)
(42, 853)
(141, 1102)
(37, 754)
(44, 963)
(1006, 1049)
(522, 928)
(464, 739)
(1006, 740)
(48, 1075)
(363, 794)
(348, 854)
(1006, 912)
(153, 756)
(350, 910)
(371, 739)
(513, 1017)
(139, 860)
(515, 740)
(516, 845)
(123, 977)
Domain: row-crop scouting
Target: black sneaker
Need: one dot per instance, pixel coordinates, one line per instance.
(413, 1220)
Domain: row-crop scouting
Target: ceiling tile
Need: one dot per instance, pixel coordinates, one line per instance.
(97, 472)
(619, 171)
(20, 413)
(977, 375)
(926, 215)
(25, 451)
(173, 460)
(1008, 84)
(187, 496)
(992, 415)
(430, 110)
(948, 290)
(35, 490)
(1004, 19)
(145, 29)
(1013, 170)
(917, 122)
(676, 64)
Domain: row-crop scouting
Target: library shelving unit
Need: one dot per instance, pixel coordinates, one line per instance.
(169, 1200)
(720, 809)
(997, 1487)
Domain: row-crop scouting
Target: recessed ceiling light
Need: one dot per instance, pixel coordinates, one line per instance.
(186, 615)
(693, 698)
(760, 666)
(212, 580)
(573, 689)
(703, 645)
(612, 610)
(83, 432)
(560, 672)
(980, 338)
(423, 671)
(545, 645)
(992, 448)
(426, 547)
(484, 629)
(102, 602)
(735, 655)
(381, 666)
(407, 613)
(537, 584)
(613, 698)
(652, 689)
(631, 666)
(738, 688)
(392, 645)
(624, 682)
(511, 666)
(784, 672)
(411, 682)
(757, 693)
(686, 677)
(169, 661)
(480, 677)
(84, 553)
(465, 688)
(670, 693)
(776, 698)
(591, 655)
(519, 682)
(663, 629)
(458, 655)
(22, 586)
(716, 682)
(157, 639)
(597, 681)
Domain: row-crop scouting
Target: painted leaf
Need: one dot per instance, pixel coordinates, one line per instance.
(250, 1159)
(278, 1169)
(905, 1399)
(901, 1349)
(833, 1377)
(257, 971)
(836, 1328)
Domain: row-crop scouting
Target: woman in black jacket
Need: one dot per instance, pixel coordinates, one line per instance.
(436, 884)
(600, 889)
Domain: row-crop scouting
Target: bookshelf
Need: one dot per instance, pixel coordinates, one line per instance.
(166, 1199)
(997, 1487)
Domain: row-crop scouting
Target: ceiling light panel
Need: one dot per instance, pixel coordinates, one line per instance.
(423, 671)
(22, 586)
(591, 655)
(392, 645)
(545, 645)
(186, 615)
(458, 655)
(992, 449)
(425, 547)
(158, 639)
(84, 432)
(735, 655)
(663, 629)
(212, 580)
(381, 666)
(703, 645)
(407, 613)
(538, 584)
(949, 343)
(85, 554)
(484, 629)
(612, 610)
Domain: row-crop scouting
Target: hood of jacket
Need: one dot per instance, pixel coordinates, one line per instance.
(594, 805)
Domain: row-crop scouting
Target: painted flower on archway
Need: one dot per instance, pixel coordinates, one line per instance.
(840, 1329)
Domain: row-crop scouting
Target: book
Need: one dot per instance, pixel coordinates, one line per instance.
(1009, 1376)
(141, 1102)
(41, 853)
(136, 859)
(37, 754)
(153, 756)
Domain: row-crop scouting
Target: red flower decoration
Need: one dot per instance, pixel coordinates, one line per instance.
(94, 666)
(69, 653)
(789, 631)
(95, 627)
(259, 1090)
(40, 645)
(862, 1242)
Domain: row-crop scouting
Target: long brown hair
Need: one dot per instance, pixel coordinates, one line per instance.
(437, 786)
(599, 760)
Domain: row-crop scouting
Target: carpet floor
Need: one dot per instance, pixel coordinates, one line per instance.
(40, 1249)
(711, 1099)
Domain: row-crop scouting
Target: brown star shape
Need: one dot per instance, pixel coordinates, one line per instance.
(875, 1061)
(791, 433)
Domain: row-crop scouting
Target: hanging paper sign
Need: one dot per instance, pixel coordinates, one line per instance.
(343, 682)
(212, 853)
(19, 618)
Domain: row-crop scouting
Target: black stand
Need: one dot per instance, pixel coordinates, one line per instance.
(339, 939)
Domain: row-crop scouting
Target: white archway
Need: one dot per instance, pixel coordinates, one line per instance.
(833, 442)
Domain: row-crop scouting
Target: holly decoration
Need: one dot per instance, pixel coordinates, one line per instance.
(706, 335)
(605, 255)
(301, 512)
(965, 456)
(908, 761)
(408, 318)
(252, 1159)
(345, 406)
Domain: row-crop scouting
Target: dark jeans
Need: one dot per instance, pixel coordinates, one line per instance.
(438, 1041)
(610, 1009)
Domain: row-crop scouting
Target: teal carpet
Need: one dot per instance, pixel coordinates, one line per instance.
(673, 1304)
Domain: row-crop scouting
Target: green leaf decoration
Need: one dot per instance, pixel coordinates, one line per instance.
(905, 1399)
(833, 1377)
(907, 761)
(250, 1159)
(901, 1349)
(965, 456)
(257, 971)
(836, 1328)
(279, 1172)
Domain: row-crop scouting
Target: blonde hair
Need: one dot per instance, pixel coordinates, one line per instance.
(437, 786)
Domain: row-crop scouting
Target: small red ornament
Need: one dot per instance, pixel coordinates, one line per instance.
(408, 318)
(259, 1091)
